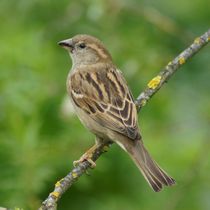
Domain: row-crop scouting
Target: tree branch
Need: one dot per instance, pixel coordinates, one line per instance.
(152, 87)
(157, 82)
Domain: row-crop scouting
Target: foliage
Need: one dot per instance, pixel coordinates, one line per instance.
(40, 137)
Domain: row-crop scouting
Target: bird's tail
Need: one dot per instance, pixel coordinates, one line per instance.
(154, 175)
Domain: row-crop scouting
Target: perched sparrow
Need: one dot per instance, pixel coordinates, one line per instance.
(105, 105)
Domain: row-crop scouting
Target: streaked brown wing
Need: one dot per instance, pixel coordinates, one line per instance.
(104, 95)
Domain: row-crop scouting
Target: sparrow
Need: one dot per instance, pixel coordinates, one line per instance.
(105, 105)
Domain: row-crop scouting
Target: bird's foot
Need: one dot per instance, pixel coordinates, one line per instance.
(87, 157)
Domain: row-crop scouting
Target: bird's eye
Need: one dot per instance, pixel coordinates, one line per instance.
(82, 45)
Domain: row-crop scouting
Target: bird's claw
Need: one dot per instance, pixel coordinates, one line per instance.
(87, 158)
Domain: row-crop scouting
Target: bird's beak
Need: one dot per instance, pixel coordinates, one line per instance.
(68, 44)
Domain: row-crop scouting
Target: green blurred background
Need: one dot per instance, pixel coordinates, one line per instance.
(39, 134)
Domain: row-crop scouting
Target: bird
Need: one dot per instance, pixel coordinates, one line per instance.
(105, 105)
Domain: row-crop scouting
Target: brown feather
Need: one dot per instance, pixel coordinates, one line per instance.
(120, 114)
(154, 175)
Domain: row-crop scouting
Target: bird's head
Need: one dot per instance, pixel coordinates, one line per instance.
(86, 49)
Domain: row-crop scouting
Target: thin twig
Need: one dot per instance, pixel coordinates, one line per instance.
(157, 82)
(152, 87)
(64, 184)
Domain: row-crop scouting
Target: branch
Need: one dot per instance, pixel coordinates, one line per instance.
(157, 82)
(152, 87)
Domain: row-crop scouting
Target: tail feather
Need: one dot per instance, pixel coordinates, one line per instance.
(154, 175)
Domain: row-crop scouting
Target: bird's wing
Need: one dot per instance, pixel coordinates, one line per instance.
(104, 95)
